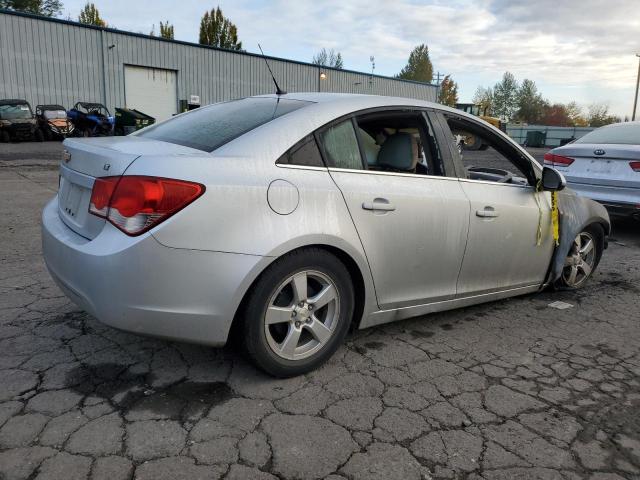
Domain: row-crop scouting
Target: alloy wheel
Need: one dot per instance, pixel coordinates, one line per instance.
(581, 260)
(302, 315)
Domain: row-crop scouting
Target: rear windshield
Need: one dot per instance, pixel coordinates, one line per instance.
(624, 134)
(208, 128)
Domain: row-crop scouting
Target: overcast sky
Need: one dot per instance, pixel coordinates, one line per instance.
(582, 50)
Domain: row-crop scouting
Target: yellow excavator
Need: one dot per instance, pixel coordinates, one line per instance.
(472, 142)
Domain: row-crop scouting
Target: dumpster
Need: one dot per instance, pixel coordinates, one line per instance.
(536, 138)
(128, 120)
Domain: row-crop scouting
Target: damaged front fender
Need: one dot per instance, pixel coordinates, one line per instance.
(575, 214)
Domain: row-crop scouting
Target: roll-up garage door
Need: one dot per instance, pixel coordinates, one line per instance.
(151, 90)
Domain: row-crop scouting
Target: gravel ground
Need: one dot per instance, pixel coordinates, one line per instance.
(507, 390)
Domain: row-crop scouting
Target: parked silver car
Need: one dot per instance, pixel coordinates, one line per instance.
(293, 217)
(604, 165)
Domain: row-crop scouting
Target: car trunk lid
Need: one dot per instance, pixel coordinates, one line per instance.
(610, 166)
(84, 160)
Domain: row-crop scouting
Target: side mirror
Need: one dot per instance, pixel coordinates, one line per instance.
(552, 180)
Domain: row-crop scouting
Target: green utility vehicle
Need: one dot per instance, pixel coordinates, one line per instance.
(129, 120)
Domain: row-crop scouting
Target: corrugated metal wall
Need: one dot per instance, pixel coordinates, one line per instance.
(554, 135)
(49, 61)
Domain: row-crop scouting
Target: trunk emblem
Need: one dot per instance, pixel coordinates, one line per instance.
(106, 167)
(66, 156)
(599, 151)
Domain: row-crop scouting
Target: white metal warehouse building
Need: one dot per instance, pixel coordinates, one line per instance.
(45, 61)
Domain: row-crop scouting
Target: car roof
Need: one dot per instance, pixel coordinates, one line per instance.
(361, 100)
(322, 108)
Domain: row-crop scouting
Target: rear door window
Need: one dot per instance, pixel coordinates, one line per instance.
(399, 141)
(208, 128)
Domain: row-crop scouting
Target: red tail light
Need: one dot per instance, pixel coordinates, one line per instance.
(635, 166)
(557, 160)
(136, 204)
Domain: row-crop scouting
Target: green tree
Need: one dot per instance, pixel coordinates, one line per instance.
(166, 30)
(531, 105)
(91, 16)
(574, 112)
(329, 58)
(505, 97)
(419, 67)
(47, 8)
(448, 94)
(484, 98)
(218, 31)
(599, 115)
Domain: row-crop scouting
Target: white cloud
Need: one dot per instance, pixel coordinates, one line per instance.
(571, 47)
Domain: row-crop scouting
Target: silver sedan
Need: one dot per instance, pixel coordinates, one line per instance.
(604, 165)
(288, 219)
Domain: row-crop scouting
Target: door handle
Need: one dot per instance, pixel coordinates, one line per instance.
(379, 204)
(488, 212)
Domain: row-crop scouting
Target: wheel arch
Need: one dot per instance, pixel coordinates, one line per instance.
(576, 214)
(364, 294)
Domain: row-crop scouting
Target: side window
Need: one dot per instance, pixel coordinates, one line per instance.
(305, 153)
(488, 157)
(340, 146)
(399, 142)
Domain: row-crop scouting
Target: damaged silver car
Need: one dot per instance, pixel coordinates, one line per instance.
(290, 218)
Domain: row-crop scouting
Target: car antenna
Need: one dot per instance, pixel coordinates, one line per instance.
(279, 91)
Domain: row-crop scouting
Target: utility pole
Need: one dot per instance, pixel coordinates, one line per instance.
(635, 101)
(438, 75)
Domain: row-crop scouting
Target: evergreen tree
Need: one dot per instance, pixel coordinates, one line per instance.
(218, 31)
(419, 67)
(91, 16)
(531, 105)
(166, 30)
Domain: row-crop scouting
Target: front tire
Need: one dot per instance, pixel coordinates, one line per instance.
(298, 312)
(582, 259)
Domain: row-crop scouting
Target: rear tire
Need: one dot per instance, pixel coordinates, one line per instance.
(298, 312)
(582, 259)
(4, 137)
(38, 136)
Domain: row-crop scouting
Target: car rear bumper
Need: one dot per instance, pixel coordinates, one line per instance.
(617, 200)
(138, 285)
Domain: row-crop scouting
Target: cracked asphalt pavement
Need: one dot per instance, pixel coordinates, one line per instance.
(508, 390)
